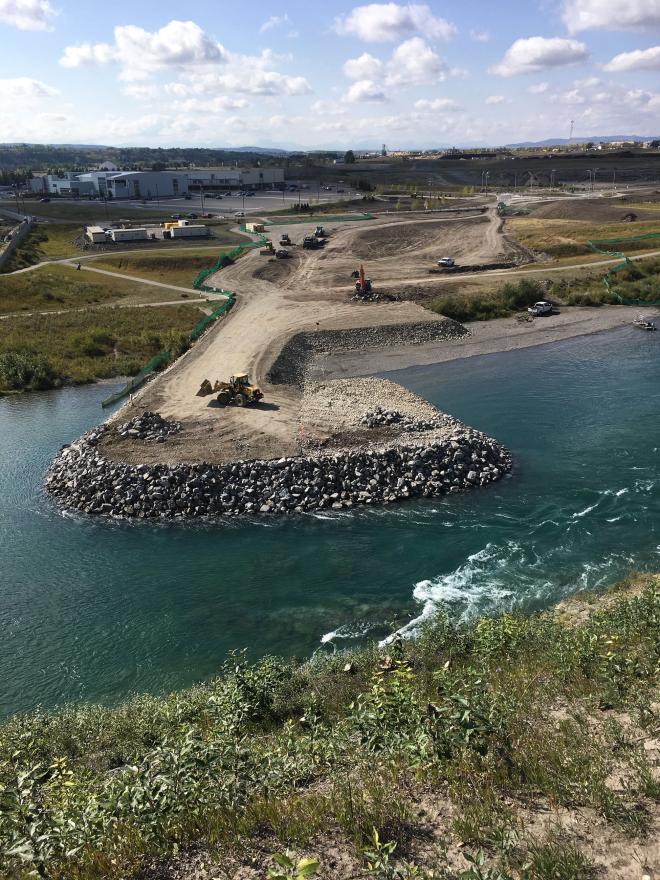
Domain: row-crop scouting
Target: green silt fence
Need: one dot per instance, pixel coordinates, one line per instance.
(599, 246)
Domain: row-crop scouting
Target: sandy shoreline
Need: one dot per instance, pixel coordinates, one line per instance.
(487, 337)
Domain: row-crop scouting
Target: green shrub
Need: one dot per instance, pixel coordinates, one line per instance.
(484, 307)
(25, 369)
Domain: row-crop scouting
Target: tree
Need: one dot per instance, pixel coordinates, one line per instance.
(349, 157)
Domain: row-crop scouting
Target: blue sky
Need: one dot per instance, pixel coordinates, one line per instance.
(334, 74)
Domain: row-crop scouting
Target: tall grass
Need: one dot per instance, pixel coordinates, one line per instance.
(510, 298)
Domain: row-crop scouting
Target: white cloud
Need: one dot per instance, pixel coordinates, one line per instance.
(385, 22)
(539, 53)
(480, 36)
(538, 88)
(365, 90)
(495, 99)
(24, 87)
(273, 22)
(27, 15)
(612, 15)
(246, 76)
(177, 44)
(639, 59)
(436, 104)
(364, 67)
(415, 63)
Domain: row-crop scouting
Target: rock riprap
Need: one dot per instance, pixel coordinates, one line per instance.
(150, 426)
(383, 418)
(82, 478)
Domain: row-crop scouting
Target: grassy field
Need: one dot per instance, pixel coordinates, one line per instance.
(99, 344)
(84, 212)
(175, 268)
(508, 748)
(53, 288)
(567, 238)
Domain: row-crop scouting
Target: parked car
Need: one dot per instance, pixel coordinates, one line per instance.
(249, 193)
(446, 262)
(540, 308)
(192, 216)
(44, 200)
(187, 196)
(239, 213)
(175, 216)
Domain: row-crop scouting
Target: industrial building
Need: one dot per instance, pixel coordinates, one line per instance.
(113, 184)
(109, 184)
(230, 178)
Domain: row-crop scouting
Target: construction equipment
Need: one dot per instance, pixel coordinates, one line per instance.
(285, 241)
(237, 390)
(319, 232)
(362, 284)
(310, 242)
(282, 254)
(267, 249)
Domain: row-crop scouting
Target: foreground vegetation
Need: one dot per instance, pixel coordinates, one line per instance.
(512, 747)
(172, 268)
(40, 351)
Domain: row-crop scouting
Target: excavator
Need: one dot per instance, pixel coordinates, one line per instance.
(362, 284)
(237, 390)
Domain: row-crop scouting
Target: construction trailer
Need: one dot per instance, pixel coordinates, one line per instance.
(96, 234)
(138, 234)
(254, 227)
(191, 231)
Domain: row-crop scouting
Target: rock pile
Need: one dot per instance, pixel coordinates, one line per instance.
(382, 418)
(292, 364)
(150, 426)
(81, 477)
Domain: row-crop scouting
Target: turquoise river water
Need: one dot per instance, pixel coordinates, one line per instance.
(91, 610)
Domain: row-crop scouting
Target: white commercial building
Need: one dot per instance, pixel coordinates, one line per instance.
(146, 184)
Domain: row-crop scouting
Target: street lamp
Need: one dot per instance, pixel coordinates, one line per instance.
(552, 179)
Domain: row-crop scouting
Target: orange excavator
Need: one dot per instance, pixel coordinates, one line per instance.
(362, 284)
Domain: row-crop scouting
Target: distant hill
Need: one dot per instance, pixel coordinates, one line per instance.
(596, 139)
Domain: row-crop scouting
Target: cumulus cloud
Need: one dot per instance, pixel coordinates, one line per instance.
(365, 90)
(363, 67)
(246, 77)
(495, 99)
(613, 15)
(386, 22)
(538, 88)
(273, 22)
(25, 87)
(177, 44)
(539, 53)
(27, 15)
(415, 63)
(436, 104)
(639, 59)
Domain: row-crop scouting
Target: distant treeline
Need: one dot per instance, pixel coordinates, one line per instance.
(37, 157)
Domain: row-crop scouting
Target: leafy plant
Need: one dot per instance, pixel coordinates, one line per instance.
(287, 869)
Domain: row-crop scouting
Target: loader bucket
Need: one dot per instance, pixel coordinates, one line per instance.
(205, 388)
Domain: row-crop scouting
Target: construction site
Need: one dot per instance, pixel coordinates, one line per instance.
(303, 304)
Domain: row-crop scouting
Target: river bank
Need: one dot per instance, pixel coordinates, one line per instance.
(485, 337)
(526, 744)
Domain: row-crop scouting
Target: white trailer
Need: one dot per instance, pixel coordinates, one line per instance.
(139, 234)
(96, 234)
(189, 231)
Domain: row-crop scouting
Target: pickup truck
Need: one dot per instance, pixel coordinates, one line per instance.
(446, 262)
(540, 308)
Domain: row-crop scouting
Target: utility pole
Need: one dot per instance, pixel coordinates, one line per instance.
(614, 180)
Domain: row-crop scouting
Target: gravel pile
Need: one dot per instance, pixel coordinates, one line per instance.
(383, 418)
(150, 426)
(292, 364)
(83, 479)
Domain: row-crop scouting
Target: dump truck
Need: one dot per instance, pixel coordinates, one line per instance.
(237, 390)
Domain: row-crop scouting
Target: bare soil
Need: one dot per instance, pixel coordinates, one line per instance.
(592, 210)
